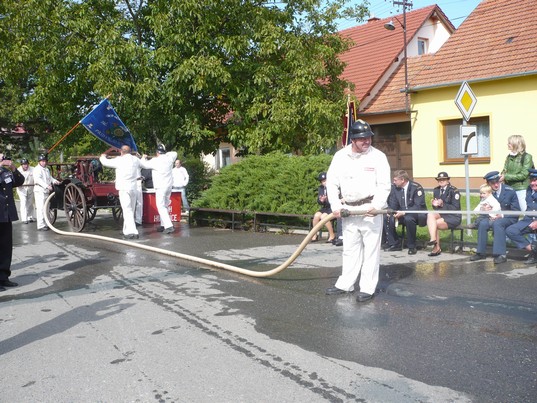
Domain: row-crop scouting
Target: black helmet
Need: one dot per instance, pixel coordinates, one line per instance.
(360, 129)
(161, 149)
(24, 161)
(42, 157)
(321, 177)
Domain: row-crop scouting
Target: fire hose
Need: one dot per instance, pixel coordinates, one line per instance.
(253, 273)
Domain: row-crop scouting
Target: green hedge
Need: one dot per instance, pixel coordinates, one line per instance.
(276, 182)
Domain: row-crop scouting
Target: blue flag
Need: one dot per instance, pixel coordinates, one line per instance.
(104, 123)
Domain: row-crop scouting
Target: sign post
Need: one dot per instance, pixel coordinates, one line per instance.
(465, 101)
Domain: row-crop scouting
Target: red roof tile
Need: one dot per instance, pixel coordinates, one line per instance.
(497, 40)
(375, 48)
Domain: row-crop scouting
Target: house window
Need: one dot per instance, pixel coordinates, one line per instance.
(224, 158)
(422, 46)
(452, 140)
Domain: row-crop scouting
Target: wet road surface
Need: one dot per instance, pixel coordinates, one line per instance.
(96, 321)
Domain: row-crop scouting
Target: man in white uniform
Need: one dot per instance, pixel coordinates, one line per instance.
(26, 192)
(43, 185)
(161, 167)
(361, 174)
(180, 180)
(127, 168)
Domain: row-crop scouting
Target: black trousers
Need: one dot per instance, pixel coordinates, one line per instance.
(6, 249)
(411, 222)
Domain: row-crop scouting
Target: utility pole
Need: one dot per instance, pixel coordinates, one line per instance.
(405, 4)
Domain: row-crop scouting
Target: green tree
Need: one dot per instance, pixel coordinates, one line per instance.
(263, 75)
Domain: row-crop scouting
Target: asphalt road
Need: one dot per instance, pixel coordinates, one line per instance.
(96, 321)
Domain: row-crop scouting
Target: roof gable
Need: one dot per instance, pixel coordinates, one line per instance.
(496, 41)
(376, 48)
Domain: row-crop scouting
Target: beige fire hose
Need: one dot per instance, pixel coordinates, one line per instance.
(207, 262)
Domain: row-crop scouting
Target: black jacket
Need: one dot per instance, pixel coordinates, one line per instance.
(8, 181)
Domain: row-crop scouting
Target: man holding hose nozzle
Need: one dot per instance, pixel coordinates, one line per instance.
(361, 173)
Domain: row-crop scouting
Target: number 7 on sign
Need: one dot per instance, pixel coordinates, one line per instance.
(468, 139)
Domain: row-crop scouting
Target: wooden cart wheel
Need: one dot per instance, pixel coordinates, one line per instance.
(74, 203)
(117, 213)
(92, 212)
(52, 211)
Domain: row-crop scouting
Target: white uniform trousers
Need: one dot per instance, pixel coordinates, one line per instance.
(26, 199)
(40, 197)
(162, 200)
(138, 210)
(127, 199)
(361, 253)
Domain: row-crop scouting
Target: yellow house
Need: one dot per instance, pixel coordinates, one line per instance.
(495, 52)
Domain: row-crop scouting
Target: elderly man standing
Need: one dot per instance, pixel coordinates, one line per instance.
(43, 185)
(26, 192)
(361, 174)
(507, 197)
(161, 167)
(127, 168)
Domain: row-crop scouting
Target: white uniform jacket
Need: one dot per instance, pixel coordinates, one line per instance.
(358, 176)
(28, 187)
(43, 179)
(180, 177)
(162, 169)
(127, 170)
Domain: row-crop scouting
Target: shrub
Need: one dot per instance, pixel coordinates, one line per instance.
(276, 182)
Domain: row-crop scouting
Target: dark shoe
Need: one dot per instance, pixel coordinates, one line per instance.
(500, 259)
(338, 242)
(412, 251)
(314, 238)
(431, 243)
(394, 248)
(31, 220)
(131, 236)
(160, 228)
(331, 240)
(334, 291)
(7, 283)
(170, 230)
(2, 289)
(43, 229)
(477, 256)
(363, 297)
(138, 224)
(437, 253)
(532, 259)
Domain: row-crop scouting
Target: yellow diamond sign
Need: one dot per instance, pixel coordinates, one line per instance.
(465, 101)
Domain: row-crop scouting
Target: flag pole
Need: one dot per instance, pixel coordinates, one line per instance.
(70, 131)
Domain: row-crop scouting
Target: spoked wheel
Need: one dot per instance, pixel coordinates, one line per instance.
(75, 207)
(52, 211)
(92, 212)
(117, 213)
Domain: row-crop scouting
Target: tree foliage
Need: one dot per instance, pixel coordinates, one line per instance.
(262, 75)
(276, 182)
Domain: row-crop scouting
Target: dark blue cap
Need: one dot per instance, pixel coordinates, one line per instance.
(493, 176)
(442, 175)
(322, 176)
(533, 173)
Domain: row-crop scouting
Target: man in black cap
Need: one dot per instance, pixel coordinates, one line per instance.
(359, 173)
(445, 197)
(528, 224)
(44, 184)
(405, 195)
(508, 200)
(10, 178)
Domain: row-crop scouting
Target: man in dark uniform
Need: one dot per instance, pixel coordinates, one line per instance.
(528, 224)
(508, 200)
(10, 178)
(445, 197)
(405, 195)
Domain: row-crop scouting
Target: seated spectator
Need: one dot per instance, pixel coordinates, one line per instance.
(405, 195)
(508, 200)
(488, 203)
(519, 231)
(445, 197)
(322, 200)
